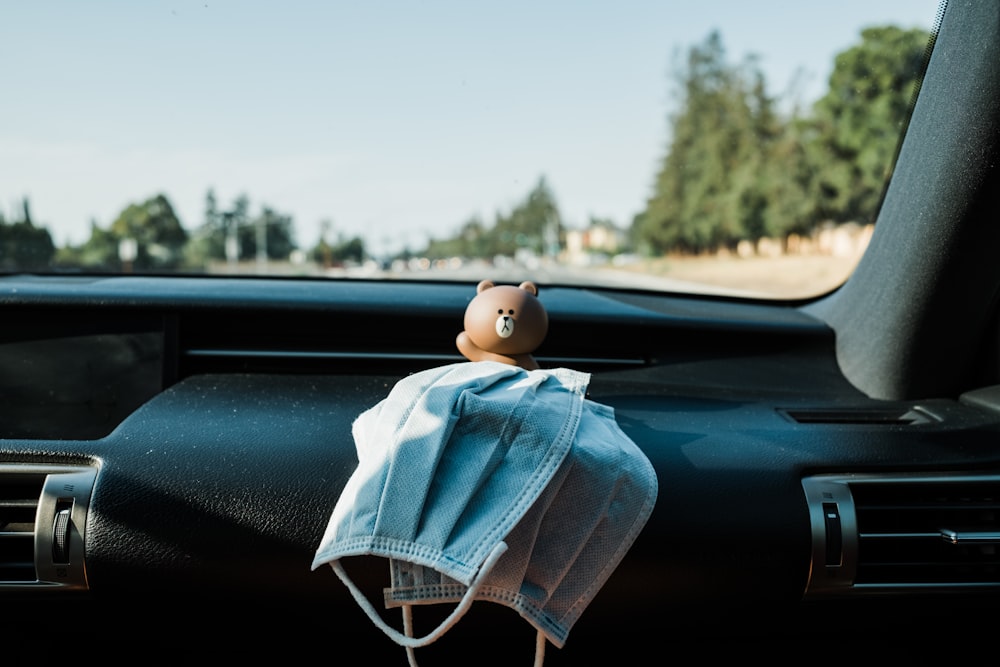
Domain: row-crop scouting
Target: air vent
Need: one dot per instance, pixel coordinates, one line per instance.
(43, 517)
(19, 494)
(903, 532)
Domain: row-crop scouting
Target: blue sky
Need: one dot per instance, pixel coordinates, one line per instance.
(393, 120)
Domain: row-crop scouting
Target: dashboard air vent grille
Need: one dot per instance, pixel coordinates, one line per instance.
(19, 494)
(881, 532)
(928, 532)
(43, 518)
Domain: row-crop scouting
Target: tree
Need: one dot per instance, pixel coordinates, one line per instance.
(528, 224)
(274, 230)
(146, 236)
(474, 240)
(235, 234)
(208, 242)
(709, 192)
(343, 251)
(533, 225)
(157, 233)
(98, 252)
(349, 250)
(735, 169)
(858, 123)
(23, 246)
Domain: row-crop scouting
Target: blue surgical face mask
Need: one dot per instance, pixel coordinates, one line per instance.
(484, 481)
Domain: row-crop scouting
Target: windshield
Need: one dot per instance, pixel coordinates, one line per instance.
(713, 147)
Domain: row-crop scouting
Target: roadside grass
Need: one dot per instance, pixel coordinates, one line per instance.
(783, 276)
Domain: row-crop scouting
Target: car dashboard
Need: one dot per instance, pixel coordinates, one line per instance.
(172, 449)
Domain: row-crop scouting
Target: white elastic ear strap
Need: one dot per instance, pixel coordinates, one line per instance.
(453, 617)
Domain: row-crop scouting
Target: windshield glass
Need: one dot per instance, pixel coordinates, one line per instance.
(712, 147)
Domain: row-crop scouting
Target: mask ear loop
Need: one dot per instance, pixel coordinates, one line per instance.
(446, 624)
(411, 655)
(539, 648)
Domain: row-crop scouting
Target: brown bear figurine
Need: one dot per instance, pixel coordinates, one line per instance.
(504, 323)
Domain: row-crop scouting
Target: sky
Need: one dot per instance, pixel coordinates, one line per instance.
(393, 121)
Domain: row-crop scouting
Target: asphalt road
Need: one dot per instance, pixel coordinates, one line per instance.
(552, 273)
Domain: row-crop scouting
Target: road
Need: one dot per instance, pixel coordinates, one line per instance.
(552, 273)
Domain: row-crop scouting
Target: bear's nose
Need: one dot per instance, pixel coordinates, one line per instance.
(505, 326)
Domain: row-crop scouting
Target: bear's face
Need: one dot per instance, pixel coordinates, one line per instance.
(506, 319)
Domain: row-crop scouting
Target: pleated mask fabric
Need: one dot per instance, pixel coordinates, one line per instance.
(485, 481)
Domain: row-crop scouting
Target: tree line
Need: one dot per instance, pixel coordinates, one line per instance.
(148, 236)
(738, 169)
(737, 166)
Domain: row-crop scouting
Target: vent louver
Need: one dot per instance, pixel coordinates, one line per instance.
(43, 512)
(903, 532)
(19, 494)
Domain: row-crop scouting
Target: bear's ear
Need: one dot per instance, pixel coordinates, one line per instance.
(483, 286)
(529, 286)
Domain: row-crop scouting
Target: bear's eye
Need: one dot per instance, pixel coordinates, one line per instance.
(500, 312)
(511, 311)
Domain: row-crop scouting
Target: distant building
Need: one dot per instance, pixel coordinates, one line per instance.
(600, 238)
